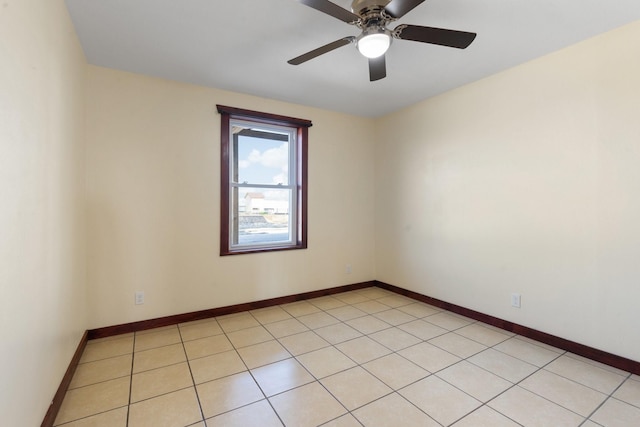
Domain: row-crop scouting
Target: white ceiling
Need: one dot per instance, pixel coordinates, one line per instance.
(244, 45)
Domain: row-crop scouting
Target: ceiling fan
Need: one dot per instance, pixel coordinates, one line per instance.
(372, 17)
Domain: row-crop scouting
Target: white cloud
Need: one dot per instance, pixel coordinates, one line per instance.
(275, 158)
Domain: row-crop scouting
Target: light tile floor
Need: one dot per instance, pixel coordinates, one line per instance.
(362, 358)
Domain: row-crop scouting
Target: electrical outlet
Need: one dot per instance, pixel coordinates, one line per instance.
(139, 297)
(515, 300)
(347, 269)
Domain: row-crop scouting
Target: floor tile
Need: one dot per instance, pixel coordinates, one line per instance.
(351, 297)
(156, 330)
(281, 376)
(112, 338)
(345, 313)
(93, 399)
(440, 400)
(327, 303)
(429, 357)
(371, 306)
(346, 420)
(158, 357)
(629, 392)
(457, 344)
(326, 361)
(597, 364)
(303, 343)
(263, 354)
(374, 292)
(393, 411)
(482, 334)
(566, 393)
(270, 315)
(113, 418)
(496, 329)
(107, 348)
(207, 346)
(162, 338)
(237, 322)
(307, 406)
(529, 409)
(485, 416)
(503, 365)
(363, 349)
(615, 413)
(285, 328)
(228, 393)
(160, 381)
(419, 310)
(338, 333)
(395, 317)
(216, 366)
(317, 320)
(256, 414)
(249, 336)
(101, 370)
(202, 329)
(176, 409)
(367, 324)
(355, 387)
(540, 344)
(474, 381)
(423, 330)
(526, 351)
(395, 371)
(300, 308)
(395, 339)
(586, 374)
(395, 301)
(448, 321)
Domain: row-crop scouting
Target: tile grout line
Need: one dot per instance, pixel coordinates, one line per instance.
(609, 396)
(133, 358)
(195, 389)
(254, 378)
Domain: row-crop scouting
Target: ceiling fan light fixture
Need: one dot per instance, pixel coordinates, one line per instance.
(374, 44)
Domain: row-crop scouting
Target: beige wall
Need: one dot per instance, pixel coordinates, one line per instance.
(42, 265)
(527, 181)
(153, 202)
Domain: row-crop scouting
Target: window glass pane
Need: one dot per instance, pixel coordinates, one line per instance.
(261, 157)
(262, 216)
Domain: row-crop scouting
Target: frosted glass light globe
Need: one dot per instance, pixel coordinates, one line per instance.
(374, 45)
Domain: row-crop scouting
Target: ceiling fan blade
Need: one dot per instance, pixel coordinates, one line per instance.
(377, 68)
(439, 36)
(399, 8)
(332, 9)
(321, 50)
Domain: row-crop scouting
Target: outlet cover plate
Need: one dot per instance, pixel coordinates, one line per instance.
(139, 297)
(515, 300)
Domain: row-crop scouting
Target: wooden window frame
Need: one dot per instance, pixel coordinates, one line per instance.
(301, 162)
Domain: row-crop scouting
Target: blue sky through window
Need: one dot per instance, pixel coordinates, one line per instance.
(263, 161)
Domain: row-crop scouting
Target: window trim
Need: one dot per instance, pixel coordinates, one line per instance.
(302, 135)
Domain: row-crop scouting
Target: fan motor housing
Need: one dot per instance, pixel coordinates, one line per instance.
(361, 7)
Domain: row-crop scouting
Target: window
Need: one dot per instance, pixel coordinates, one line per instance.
(264, 182)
